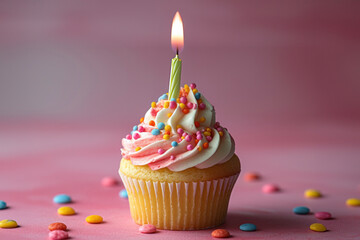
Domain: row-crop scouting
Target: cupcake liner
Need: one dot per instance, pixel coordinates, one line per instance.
(179, 205)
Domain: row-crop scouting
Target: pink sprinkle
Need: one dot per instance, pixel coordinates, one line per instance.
(136, 136)
(188, 138)
(193, 85)
(141, 129)
(183, 100)
(184, 134)
(189, 147)
(323, 215)
(190, 105)
(180, 139)
(147, 228)
(172, 157)
(109, 181)
(195, 105)
(180, 131)
(173, 104)
(219, 129)
(198, 132)
(128, 137)
(216, 125)
(199, 137)
(161, 151)
(153, 112)
(202, 106)
(270, 188)
(209, 138)
(58, 235)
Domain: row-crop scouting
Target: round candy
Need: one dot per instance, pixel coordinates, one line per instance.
(270, 188)
(301, 210)
(58, 235)
(147, 228)
(6, 223)
(2, 205)
(161, 125)
(247, 227)
(123, 193)
(220, 233)
(318, 227)
(66, 211)
(354, 202)
(62, 198)
(57, 226)
(174, 143)
(109, 181)
(312, 193)
(155, 131)
(251, 176)
(94, 219)
(323, 215)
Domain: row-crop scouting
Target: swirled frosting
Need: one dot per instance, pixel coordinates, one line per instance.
(179, 134)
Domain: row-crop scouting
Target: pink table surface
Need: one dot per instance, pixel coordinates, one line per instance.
(39, 160)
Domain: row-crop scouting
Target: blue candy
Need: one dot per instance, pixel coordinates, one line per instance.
(173, 100)
(174, 143)
(163, 97)
(155, 131)
(123, 193)
(247, 227)
(62, 198)
(301, 210)
(2, 205)
(161, 126)
(135, 128)
(197, 95)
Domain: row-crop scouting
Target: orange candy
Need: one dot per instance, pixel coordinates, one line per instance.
(57, 226)
(220, 233)
(185, 110)
(152, 123)
(206, 145)
(197, 124)
(141, 120)
(250, 176)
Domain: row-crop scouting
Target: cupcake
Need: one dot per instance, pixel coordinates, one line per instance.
(178, 165)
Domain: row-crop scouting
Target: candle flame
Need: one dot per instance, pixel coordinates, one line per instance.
(177, 33)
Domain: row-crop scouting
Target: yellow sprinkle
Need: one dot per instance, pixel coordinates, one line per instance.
(153, 104)
(166, 136)
(199, 101)
(94, 219)
(312, 193)
(137, 149)
(195, 90)
(166, 104)
(182, 137)
(66, 211)
(178, 126)
(354, 202)
(169, 115)
(199, 149)
(207, 133)
(221, 133)
(182, 106)
(202, 119)
(186, 86)
(6, 223)
(167, 128)
(318, 227)
(141, 120)
(178, 100)
(208, 129)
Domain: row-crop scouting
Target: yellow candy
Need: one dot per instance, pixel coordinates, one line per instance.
(8, 224)
(137, 149)
(318, 227)
(178, 126)
(168, 128)
(312, 193)
(221, 133)
(208, 129)
(195, 90)
(182, 106)
(94, 219)
(166, 104)
(202, 119)
(199, 149)
(207, 133)
(166, 136)
(153, 104)
(178, 100)
(169, 115)
(186, 86)
(354, 202)
(66, 211)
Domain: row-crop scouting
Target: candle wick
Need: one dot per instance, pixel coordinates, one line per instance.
(177, 51)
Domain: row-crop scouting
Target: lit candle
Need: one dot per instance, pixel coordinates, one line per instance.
(177, 43)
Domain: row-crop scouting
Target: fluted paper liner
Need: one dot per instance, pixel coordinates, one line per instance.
(179, 205)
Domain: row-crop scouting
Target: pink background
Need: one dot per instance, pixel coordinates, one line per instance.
(75, 76)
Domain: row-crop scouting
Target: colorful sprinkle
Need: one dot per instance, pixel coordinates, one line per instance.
(182, 106)
(155, 131)
(209, 138)
(66, 211)
(161, 151)
(141, 129)
(166, 104)
(317, 227)
(152, 123)
(188, 138)
(6, 223)
(166, 136)
(220, 233)
(323, 215)
(128, 137)
(167, 128)
(207, 133)
(251, 176)
(197, 95)
(57, 226)
(153, 104)
(221, 133)
(193, 85)
(190, 105)
(202, 119)
(202, 106)
(163, 97)
(141, 120)
(312, 193)
(109, 182)
(174, 144)
(270, 188)
(197, 124)
(58, 235)
(123, 193)
(199, 149)
(247, 227)
(2, 205)
(189, 147)
(301, 210)
(173, 105)
(173, 99)
(199, 137)
(172, 157)
(185, 110)
(206, 145)
(135, 128)
(62, 198)
(136, 136)
(169, 115)
(180, 131)
(161, 125)
(94, 219)
(183, 100)
(353, 202)
(137, 149)
(195, 90)
(147, 228)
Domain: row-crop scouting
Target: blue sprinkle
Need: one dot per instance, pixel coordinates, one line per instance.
(135, 128)
(155, 131)
(174, 144)
(62, 198)
(301, 210)
(132, 132)
(247, 227)
(173, 100)
(163, 97)
(197, 95)
(2, 204)
(161, 125)
(123, 193)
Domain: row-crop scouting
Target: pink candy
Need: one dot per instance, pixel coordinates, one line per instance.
(180, 131)
(173, 105)
(136, 136)
(323, 215)
(193, 85)
(270, 188)
(189, 147)
(147, 228)
(209, 138)
(161, 151)
(190, 105)
(188, 138)
(141, 129)
(58, 235)
(109, 181)
(199, 137)
(202, 106)
(183, 100)
(128, 137)
(172, 157)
